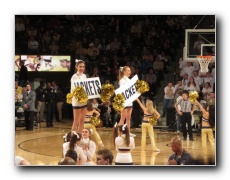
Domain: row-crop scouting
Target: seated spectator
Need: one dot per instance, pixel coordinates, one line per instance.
(19, 161)
(180, 156)
(33, 46)
(54, 48)
(72, 154)
(206, 91)
(104, 157)
(66, 161)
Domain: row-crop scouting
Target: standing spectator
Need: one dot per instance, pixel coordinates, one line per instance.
(168, 97)
(59, 99)
(40, 97)
(49, 102)
(28, 104)
(151, 79)
(23, 74)
(188, 69)
(186, 112)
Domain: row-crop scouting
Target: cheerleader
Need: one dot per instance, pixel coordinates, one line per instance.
(89, 113)
(79, 110)
(73, 144)
(124, 74)
(88, 146)
(123, 144)
(148, 112)
(208, 122)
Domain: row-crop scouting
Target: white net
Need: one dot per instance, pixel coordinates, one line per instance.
(204, 62)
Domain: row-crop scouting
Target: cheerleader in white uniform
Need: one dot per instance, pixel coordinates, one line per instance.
(124, 74)
(88, 146)
(73, 144)
(123, 144)
(79, 110)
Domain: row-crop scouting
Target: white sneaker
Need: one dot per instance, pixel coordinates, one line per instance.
(156, 150)
(132, 135)
(102, 146)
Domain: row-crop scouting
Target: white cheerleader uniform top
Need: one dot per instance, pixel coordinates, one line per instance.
(80, 154)
(75, 77)
(90, 152)
(122, 82)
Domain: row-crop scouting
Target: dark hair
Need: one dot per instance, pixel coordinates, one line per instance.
(208, 84)
(212, 112)
(193, 82)
(71, 153)
(67, 137)
(74, 139)
(125, 130)
(185, 92)
(90, 105)
(107, 154)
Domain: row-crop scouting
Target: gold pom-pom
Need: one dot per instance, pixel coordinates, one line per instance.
(95, 121)
(142, 86)
(69, 97)
(118, 103)
(80, 95)
(107, 90)
(193, 95)
(153, 120)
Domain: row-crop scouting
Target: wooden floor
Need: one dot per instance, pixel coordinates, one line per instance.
(43, 146)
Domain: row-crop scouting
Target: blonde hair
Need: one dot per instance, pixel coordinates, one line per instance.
(149, 106)
(121, 72)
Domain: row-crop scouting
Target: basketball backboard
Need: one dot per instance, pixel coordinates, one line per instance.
(199, 42)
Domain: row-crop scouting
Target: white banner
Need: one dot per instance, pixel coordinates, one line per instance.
(129, 91)
(92, 86)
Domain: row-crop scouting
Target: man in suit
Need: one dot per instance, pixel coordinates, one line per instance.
(28, 104)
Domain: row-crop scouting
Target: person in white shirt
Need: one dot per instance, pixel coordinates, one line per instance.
(179, 87)
(185, 79)
(73, 141)
(209, 79)
(79, 109)
(124, 74)
(192, 86)
(168, 97)
(198, 80)
(188, 69)
(123, 144)
(206, 91)
(88, 146)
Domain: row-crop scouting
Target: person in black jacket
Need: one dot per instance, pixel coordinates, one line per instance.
(40, 98)
(58, 103)
(49, 102)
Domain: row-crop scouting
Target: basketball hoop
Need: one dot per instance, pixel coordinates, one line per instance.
(204, 62)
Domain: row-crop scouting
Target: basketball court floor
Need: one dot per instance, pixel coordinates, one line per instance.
(43, 146)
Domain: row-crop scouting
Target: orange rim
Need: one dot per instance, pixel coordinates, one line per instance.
(208, 58)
